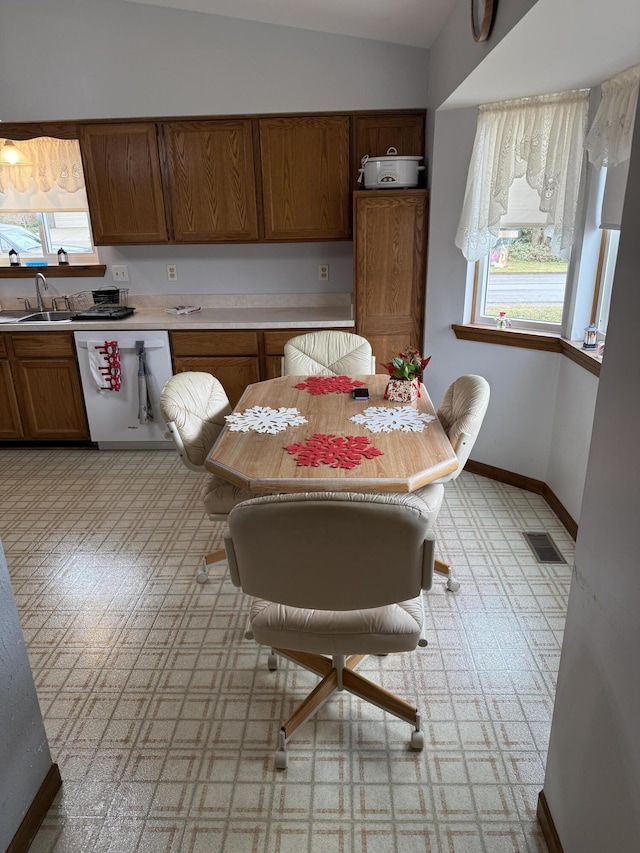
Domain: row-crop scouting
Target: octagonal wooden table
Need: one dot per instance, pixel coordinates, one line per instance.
(259, 462)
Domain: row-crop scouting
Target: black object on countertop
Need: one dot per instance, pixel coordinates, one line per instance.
(104, 312)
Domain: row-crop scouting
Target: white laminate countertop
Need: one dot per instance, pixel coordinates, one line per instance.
(211, 318)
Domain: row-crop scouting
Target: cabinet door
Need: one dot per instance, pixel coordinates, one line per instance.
(375, 134)
(234, 372)
(273, 366)
(10, 423)
(51, 399)
(124, 183)
(389, 247)
(305, 176)
(211, 181)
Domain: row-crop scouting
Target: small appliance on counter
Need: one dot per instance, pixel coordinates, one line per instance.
(393, 171)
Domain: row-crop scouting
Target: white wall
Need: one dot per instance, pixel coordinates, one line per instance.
(518, 428)
(539, 419)
(255, 268)
(106, 59)
(571, 434)
(25, 759)
(454, 54)
(592, 783)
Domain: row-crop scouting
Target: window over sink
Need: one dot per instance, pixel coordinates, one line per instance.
(43, 204)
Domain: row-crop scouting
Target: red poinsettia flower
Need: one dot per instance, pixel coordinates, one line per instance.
(407, 365)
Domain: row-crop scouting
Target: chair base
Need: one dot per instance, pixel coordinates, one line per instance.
(209, 560)
(338, 673)
(444, 569)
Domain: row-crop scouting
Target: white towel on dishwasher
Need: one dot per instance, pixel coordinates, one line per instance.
(104, 365)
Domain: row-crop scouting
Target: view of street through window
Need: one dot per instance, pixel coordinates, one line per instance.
(525, 279)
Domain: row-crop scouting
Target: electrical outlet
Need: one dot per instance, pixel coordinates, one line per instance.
(120, 272)
(323, 272)
(172, 272)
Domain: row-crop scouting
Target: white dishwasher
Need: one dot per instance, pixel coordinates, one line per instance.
(113, 415)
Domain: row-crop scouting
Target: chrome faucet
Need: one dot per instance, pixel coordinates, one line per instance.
(40, 278)
(65, 302)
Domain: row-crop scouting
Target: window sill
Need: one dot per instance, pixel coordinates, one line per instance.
(71, 271)
(546, 341)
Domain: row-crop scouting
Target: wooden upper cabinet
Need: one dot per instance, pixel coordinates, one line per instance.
(211, 180)
(305, 176)
(375, 134)
(237, 179)
(124, 183)
(389, 251)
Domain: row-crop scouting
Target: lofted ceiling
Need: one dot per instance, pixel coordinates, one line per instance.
(415, 23)
(557, 45)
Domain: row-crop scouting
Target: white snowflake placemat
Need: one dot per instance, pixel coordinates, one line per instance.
(389, 419)
(264, 419)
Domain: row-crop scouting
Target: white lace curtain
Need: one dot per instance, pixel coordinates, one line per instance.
(609, 140)
(56, 164)
(541, 138)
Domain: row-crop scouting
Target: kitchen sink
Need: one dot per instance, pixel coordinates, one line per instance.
(30, 316)
(48, 317)
(14, 316)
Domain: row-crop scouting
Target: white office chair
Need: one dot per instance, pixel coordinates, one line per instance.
(193, 405)
(328, 353)
(461, 413)
(334, 577)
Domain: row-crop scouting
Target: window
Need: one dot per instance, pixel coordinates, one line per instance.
(524, 279)
(521, 275)
(43, 204)
(604, 281)
(38, 236)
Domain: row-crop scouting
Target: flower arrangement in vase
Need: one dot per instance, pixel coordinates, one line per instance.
(405, 374)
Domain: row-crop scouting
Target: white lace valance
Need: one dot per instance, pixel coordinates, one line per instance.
(541, 138)
(609, 140)
(56, 164)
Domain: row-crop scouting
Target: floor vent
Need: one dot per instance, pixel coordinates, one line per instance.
(544, 548)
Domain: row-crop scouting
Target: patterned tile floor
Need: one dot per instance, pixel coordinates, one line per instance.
(163, 718)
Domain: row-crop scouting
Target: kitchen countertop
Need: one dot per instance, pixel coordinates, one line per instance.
(224, 315)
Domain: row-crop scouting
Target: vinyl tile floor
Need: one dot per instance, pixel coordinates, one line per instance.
(163, 718)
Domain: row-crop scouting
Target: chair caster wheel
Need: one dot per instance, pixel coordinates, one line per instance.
(202, 577)
(282, 759)
(417, 740)
(452, 586)
(272, 663)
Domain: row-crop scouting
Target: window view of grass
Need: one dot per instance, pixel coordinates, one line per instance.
(526, 280)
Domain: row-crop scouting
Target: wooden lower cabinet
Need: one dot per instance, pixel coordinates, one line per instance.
(40, 391)
(232, 357)
(235, 373)
(10, 421)
(235, 358)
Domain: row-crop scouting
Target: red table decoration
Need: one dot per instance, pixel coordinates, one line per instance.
(329, 385)
(337, 451)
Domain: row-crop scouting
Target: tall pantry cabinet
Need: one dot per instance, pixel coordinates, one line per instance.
(390, 254)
